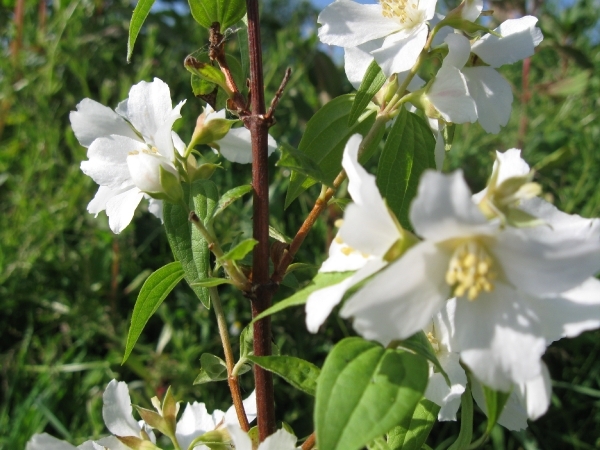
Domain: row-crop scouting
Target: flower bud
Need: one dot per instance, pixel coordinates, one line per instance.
(211, 126)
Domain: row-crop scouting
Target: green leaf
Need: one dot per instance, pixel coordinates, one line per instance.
(239, 251)
(419, 344)
(408, 151)
(153, 292)
(207, 72)
(466, 421)
(246, 341)
(412, 433)
(204, 12)
(299, 373)
(278, 235)
(201, 86)
(138, 18)
(214, 368)
(186, 242)
(322, 280)
(494, 403)
(364, 390)
(370, 85)
(230, 12)
(231, 196)
(300, 162)
(212, 282)
(324, 140)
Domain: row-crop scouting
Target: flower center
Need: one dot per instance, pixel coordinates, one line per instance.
(406, 11)
(433, 341)
(470, 270)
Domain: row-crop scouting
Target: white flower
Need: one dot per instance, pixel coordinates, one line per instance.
(367, 233)
(46, 442)
(236, 145)
(399, 28)
(126, 147)
(441, 335)
(280, 440)
(497, 274)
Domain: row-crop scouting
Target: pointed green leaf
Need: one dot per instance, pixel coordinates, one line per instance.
(494, 403)
(466, 421)
(412, 433)
(230, 12)
(239, 251)
(301, 163)
(204, 12)
(201, 86)
(138, 18)
(186, 242)
(370, 85)
(324, 140)
(246, 341)
(364, 390)
(408, 151)
(419, 344)
(153, 292)
(299, 373)
(278, 235)
(231, 196)
(212, 282)
(320, 281)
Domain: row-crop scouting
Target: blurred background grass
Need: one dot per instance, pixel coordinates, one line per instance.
(68, 285)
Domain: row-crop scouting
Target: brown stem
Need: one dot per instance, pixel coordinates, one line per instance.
(217, 53)
(17, 42)
(261, 300)
(310, 442)
(279, 93)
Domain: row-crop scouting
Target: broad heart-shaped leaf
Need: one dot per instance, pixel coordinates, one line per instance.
(324, 140)
(408, 151)
(155, 289)
(299, 373)
(370, 85)
(412, 433)
(365, 390)
(186, 242)
(204, 12)
(323, 279)
(138, 18)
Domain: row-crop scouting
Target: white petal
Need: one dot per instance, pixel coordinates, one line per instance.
(428, 6)
(400, 51)
(178, 143)
(280, 440)
(368, 226)
(144, 169)
(249, 403)
(438, 390)
(538, 392)
(442, 33)
(194, 422)
(103, 195)
(348, 24)
(543, 262)
(241, 440)
(471, 9)
(107, 163)
(443, 208)
(440, 149)
(156, 208)
(121, 207)
(321, 302)
(401, 299)
(46, 442)
(514, 414)
(163, 139)
(117, 410)
(343, 258)
(493, 97)
(148, 107)
(236, 146)
(93, 120)
(500, 337)
(111, 443)
(357, 60)
(450, 96)
(518, 41)
(444, 329)
(459, 50)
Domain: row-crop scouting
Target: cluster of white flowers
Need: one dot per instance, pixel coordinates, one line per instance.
(132, 149)
(502, 273)
(193, 423)
(467, 88)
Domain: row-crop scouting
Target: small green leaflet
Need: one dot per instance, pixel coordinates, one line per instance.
(229, 197)
(211, 282)
(300, 162)
(299, 373)
(408, 152)
(239, 251)
(466, 421)
(153, 292)
(364, 391)
(412, 433)
(371, 83)
(214, 369)
(324, 140)
(323, 279)
(138, 18)
(494, 403)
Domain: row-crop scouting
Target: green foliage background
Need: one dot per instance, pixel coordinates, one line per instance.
(68, 285)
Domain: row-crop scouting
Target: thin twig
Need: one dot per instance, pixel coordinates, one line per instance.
(279, 93)
(310, 442)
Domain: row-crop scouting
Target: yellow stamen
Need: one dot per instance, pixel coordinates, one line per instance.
(433, 341)
(470, 270)
(403, 10)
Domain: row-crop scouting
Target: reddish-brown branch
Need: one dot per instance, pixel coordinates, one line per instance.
(17, 42)
(261, 298)
(236, 395)
(279, 93)
(310, 442)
